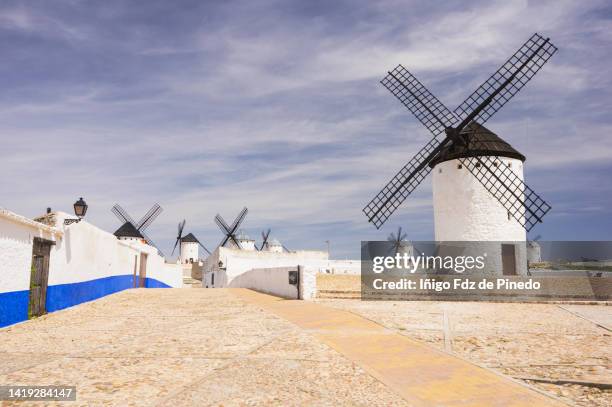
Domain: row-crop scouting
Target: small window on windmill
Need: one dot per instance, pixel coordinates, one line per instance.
(478, 165)
(509, 164)
(440, 171)
(509, 215)
(459, 166)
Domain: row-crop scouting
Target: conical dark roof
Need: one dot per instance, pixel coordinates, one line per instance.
(190, 238)
(128, 230)
(482, 142)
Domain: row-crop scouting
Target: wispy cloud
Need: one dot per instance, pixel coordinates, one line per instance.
(206, 108)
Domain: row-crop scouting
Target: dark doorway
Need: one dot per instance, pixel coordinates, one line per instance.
(39, 276)
(508, 260)
(143, 270)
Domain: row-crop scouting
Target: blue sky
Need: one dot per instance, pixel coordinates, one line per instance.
(276, 105)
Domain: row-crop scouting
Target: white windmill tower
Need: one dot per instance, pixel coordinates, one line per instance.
(479, 193)
(464, 210)
(189, 246)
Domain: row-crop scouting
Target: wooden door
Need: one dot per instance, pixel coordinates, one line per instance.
(135, 279)
(39, 276)
(508, 260)
(143, 270)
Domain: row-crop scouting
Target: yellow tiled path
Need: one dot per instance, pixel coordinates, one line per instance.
(420, 374)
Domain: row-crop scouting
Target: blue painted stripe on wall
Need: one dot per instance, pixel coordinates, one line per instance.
(153, 283)
(13, 307)
(66, 295)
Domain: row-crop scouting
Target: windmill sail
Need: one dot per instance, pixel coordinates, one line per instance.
(516, 71)
(420, 101)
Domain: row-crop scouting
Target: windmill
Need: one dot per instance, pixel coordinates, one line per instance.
(136, 230)
(230, 231)
(397, 241)
(190, 242)
(460, 141)
(271, 244)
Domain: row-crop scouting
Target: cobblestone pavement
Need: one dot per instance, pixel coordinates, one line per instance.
(519, 340)
(161, 347)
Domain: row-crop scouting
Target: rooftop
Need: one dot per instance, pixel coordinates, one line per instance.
(128, 230)
(481, 142)
(189, 238)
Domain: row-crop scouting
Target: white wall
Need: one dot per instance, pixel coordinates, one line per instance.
(16, 237)
(236, 262)
(464, 210)
(189, 250)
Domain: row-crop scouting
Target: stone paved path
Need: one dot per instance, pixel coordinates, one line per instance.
(423, 375)
(179, 347)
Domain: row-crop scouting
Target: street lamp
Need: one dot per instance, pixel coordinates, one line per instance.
(80, 209)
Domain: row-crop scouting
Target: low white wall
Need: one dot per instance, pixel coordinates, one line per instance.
(226, 264)
(275, 281)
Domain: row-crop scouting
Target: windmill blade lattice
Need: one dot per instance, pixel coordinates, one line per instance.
(226, 230)
(517, 71)
(149, 217)
(420, 101)
(230, 231)
(181, 226)
(239, 218)
(264, 239)
(122, 215)
(521, 202)
(401, 185)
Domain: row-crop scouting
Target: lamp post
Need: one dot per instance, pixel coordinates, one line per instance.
(80, 209)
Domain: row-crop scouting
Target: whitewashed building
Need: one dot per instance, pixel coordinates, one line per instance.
(46, 265)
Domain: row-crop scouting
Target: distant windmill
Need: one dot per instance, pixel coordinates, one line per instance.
(136, 230)
(230, 231)
(398, 240)
(188, 239)
(267, 242)
(460, 142)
